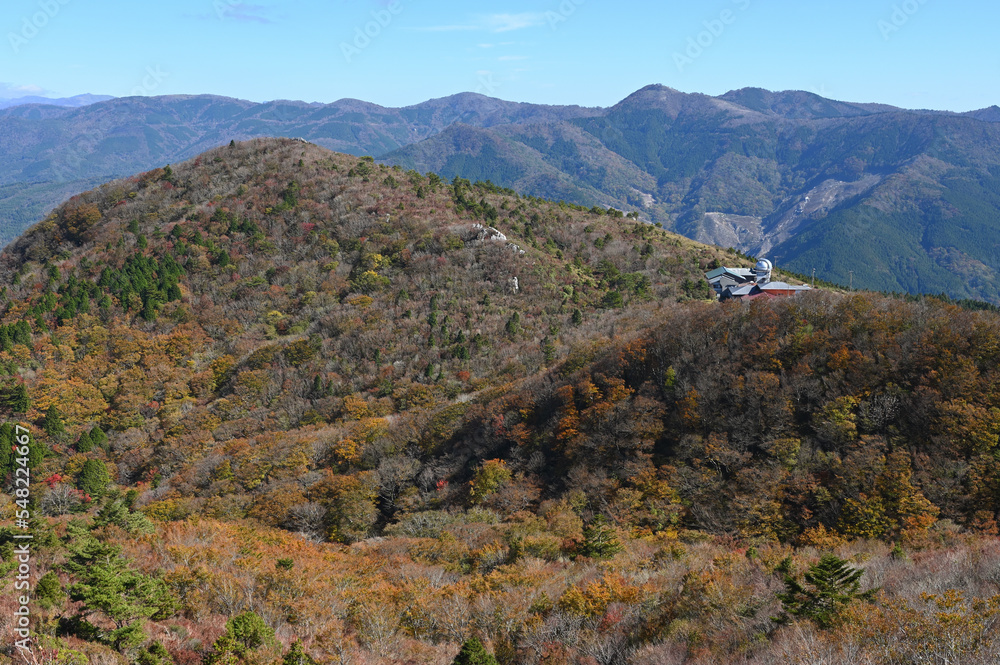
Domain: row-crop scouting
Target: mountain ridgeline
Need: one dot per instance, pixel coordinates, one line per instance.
(48, 153)
(907, 201)
(904, 200)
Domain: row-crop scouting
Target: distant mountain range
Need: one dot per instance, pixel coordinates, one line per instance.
(905, 200)
(72, 102)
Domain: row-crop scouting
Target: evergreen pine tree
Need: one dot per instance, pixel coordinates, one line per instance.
(513, 326)
(84, 444)
(830, 585)
(15, 398)
(107, 584)
(99, 438)
(297, 655)
(474, 653)
(250, 631)
(94, 478)
(600, 540)
(36, 453)
(8, 439)
(53, 422)
(49, 591)
(113, 513)
(155, 654)
(6, 454)
(244, 633)
(22, 333)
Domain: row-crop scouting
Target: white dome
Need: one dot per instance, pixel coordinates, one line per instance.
(764, 266)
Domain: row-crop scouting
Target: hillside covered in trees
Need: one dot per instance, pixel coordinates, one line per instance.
(288, 405)
(879, 197)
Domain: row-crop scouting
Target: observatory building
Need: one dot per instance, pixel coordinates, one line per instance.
(746, 284)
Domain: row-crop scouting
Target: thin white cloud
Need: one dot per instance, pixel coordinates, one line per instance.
(247, 13)
(509, 22)
(444, 28)
(234, 10)
(496, 23)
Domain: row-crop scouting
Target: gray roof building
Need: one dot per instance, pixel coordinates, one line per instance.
(747, 284)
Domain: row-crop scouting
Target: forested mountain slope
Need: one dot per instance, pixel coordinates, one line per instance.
(43, 147)
(307, 404)
(905, 200)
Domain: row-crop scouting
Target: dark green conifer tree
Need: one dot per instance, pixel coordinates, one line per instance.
(84, 444)
(297, 655)
(49, 591)
(15, 398)
(99, 438)
(474, 653)
(600, 540)
(53, 422)
(94, 478)
(830, 585)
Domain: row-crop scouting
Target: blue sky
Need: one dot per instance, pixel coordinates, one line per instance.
(912, 53)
